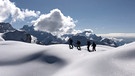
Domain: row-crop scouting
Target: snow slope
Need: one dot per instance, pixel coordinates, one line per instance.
(116, 62)
(1, 39)
(24, 59)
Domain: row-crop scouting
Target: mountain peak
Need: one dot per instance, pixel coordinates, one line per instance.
(6, 27)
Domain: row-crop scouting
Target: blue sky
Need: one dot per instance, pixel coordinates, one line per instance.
(102, 16)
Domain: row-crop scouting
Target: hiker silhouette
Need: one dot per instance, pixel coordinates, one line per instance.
(88, 45)
(78, 45)
(94, 46)
(70, 43)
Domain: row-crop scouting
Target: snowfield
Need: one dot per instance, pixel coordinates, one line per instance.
(1, 39)
(25, 59)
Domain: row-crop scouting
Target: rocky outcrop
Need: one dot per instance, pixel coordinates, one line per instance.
(17, 36)
(6, 27)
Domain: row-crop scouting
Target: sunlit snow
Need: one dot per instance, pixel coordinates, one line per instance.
(25, 59)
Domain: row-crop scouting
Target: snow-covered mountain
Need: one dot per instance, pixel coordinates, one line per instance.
(41, 37)
(7, 32)
(6, 27)
(17, 36)
(48, 38)
(24, 59)
(84, 36)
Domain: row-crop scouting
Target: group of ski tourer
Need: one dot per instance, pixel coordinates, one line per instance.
(78, 43)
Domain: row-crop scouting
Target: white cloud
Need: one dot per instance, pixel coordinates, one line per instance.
(9, 9)
(88, 30)
(123, 35)
(55, 22)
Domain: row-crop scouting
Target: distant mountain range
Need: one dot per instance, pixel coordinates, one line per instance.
(48, 38)
(45, 38)
(10, 33)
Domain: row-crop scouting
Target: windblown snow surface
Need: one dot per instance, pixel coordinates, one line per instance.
(24, 59)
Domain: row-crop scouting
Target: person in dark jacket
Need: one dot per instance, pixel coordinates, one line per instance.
(70, 43)
(78, 45)
(88, 45)
(94, 46)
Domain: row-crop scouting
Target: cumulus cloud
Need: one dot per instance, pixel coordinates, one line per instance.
(9, 9)
(55, 22)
